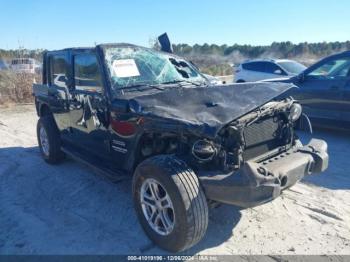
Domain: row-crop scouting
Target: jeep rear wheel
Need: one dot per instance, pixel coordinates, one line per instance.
(170, 203)
(49, 140)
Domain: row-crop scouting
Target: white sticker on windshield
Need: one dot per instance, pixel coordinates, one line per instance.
(125, 68)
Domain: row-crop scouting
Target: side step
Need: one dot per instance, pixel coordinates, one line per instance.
(113, 176)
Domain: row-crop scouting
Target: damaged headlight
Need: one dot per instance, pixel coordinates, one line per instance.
(203, 150)
(295, 112)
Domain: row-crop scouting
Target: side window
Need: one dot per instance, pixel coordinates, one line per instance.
(58, 70)
(334, 68)
(272, 68)
(87, 75)
(254, 66)
(248, 66)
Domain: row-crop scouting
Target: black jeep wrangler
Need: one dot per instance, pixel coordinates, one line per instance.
(128, 110)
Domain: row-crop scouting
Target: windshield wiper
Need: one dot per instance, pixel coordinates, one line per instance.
(181, 81)
(140, 87)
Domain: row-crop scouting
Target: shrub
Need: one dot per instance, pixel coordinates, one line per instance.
(16, 87)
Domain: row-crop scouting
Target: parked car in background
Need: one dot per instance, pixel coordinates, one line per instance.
(255, 70)
(26, 65)
(3, 65)
(324, 91)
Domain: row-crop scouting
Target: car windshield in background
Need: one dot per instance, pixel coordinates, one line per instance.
(135, 66)
(292, 67)
(339, 67)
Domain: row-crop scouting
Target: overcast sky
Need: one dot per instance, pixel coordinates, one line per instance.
(64, 23)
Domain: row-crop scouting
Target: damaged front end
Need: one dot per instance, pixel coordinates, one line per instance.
(255, 183)
(238, 138)
(257, 156)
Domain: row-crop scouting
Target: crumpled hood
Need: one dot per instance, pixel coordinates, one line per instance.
(205, 110)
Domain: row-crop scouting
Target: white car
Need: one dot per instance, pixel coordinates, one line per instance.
(25, 65)
(256, 70)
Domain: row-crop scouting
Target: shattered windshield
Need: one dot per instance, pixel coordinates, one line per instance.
(134, 66)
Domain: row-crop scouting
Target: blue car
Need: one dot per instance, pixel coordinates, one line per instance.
(324, 91)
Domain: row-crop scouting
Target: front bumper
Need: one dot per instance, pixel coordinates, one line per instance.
(256, 183)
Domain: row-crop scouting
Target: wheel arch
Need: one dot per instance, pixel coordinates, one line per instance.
(44, 110)
(156, 142)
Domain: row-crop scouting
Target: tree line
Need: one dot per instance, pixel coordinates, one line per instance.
(217, 59)
(284, 49)
(19, 53)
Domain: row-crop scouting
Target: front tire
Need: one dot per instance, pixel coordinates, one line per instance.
(49, 140)
(170, 203)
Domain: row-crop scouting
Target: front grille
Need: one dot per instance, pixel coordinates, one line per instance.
(264, 136)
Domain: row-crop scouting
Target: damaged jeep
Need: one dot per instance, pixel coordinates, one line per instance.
(126, 110)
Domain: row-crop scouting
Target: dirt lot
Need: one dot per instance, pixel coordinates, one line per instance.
(67, 209)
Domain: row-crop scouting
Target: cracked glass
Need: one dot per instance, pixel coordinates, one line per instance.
(135, 66)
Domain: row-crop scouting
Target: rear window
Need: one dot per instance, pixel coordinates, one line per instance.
(58, 70)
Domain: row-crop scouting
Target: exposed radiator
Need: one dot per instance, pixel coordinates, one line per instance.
(263, 136)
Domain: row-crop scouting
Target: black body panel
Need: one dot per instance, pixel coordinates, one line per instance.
(205, 110)
(116, 129)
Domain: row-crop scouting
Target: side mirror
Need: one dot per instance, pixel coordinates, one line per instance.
(278, 72)
(301, 77)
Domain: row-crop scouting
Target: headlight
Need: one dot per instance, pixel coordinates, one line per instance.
(203, 150)
(295, 112)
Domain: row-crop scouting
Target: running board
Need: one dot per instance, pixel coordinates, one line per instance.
(113, 176)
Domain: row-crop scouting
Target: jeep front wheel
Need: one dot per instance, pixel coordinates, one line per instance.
(170, 203)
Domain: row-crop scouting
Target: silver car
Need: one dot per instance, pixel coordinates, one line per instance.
(256, 70)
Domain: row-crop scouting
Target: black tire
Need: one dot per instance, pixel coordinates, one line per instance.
(54, 154)
(187, 197)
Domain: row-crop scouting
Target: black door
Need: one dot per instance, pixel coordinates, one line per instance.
(345, 114)
(56, 76)
(323, 88)
(88, 107)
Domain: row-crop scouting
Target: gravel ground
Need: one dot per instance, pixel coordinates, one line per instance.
(68, 209)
